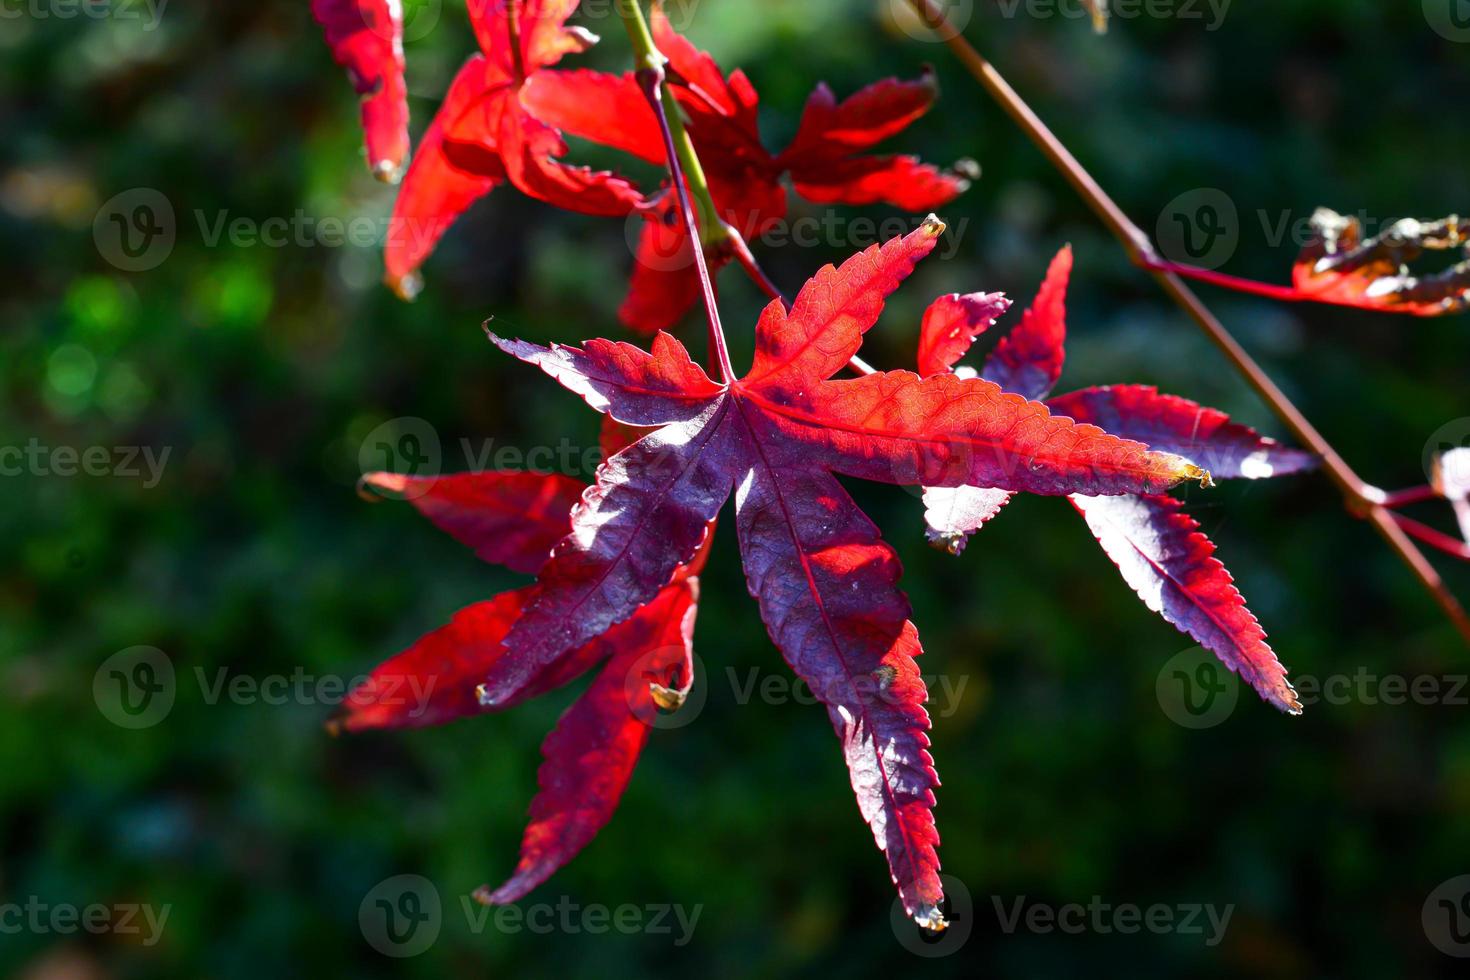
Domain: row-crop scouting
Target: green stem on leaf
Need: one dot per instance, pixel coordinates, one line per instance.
(1361, 498)
(684, 169)
(712, 228)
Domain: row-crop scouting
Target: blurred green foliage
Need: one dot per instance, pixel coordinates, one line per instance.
(262, 369)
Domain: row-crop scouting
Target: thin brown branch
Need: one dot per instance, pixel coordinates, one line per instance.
(1360, 498)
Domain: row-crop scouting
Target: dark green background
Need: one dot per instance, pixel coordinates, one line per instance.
(263, 369)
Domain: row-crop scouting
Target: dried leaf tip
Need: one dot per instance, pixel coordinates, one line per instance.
(667, 699)
(933, 225)
(1192, 472)
(949, 542)
(388, 172)
(930, 919)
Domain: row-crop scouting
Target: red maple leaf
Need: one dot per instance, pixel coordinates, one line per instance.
(482, 137)
(826, 160)
(1159, 549)
(1340, 267)
(366, 38)
(825, 581)
(513, 519)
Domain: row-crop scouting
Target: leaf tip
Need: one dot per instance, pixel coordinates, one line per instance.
(930, 919)
(375, 487)
(668, 699)
(583, 38)
(949, 542)
(933, 226)
(388, 171)
(407, 286)
(1199, 474)
(1291, 703)
(506, 345)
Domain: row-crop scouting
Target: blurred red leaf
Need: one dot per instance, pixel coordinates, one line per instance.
(482, 137)
(1342, 268)
(366, 38)
(744, 177)
(590, 755)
